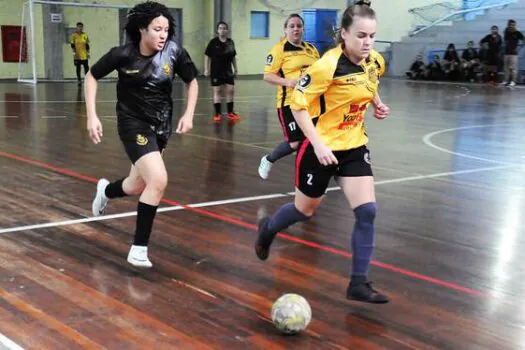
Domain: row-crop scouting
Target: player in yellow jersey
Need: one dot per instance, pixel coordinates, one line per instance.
(80, 46)
(329, 104)
(285, 64)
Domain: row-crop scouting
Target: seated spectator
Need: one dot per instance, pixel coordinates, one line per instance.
(470, 62)
(451, 63)
(417, 70)
(435, 69)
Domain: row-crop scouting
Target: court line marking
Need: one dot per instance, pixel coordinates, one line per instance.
(427, 140)
(333, 250)
(236, 99)
(237, 200)
(9, 344)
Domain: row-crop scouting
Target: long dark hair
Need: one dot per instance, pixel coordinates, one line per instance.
(359, 9)
(140, 16)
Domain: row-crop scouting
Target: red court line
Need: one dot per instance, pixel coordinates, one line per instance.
(253, 227)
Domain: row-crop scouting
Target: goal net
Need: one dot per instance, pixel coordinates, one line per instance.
(45, 51)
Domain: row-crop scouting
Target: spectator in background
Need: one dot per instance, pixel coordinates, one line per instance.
(435, 69)
(510, 62)
(451, 63)
(492, 57)
(80, 46)
(417, 70)
(470, 62)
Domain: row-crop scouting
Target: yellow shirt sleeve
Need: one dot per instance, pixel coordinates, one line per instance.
(274, 60)
(313, 84)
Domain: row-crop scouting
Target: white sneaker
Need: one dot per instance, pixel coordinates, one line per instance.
(101, 201)
(265, 167)
(138, 256)
(511, 84)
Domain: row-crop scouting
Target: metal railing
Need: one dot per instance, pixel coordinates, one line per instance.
(456, 13)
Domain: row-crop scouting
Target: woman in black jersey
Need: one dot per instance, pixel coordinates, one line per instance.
(220, 65)
(146, 69)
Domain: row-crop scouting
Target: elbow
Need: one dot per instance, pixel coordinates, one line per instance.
(266, 78)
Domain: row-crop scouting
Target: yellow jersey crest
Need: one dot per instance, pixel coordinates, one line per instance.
(167, 69)
(142, 140)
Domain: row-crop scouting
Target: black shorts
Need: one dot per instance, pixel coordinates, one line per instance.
(222, 80)
(291, 130)
(312, 178)
(140, 143)
(81, 62)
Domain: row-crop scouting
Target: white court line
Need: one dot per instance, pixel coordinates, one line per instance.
(54, 117)
(9, 116)
(427, 139)
(236, 99)
(8, 343)
(238, 200)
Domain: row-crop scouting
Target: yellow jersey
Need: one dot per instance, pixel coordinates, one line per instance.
(337, 93)
(81, 42)
(289, 62)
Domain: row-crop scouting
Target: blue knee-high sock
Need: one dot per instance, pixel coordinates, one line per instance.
(284, 217)
(363, 240)
(282, 150)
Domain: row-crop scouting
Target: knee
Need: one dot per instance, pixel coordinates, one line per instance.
(158, 184)
(366, 213)
(307, 210)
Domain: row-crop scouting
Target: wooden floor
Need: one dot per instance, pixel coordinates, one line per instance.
(449, 166)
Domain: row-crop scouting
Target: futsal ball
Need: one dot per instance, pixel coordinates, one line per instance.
(291, 313)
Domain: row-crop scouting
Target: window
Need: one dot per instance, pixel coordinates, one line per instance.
(260, 24)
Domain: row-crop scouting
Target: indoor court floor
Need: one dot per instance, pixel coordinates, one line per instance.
(449, 165)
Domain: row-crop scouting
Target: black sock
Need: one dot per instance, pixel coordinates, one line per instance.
(230, 107)
(145, 215)
(115, 190)
(217, 108)
(282, 150)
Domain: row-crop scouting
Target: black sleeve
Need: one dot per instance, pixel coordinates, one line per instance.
(485, 39)
(72, 46)
(209, 49)
(107, 64)
(464, 55)
(520, 36)
(87, 47)
(234, 52)
(184, 67)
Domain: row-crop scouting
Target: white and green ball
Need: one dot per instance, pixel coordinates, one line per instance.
(291, 313)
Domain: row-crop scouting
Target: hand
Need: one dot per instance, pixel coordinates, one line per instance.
(381, 111)
(291, 83)
(325, 155)
(185, 124)
(206, 73)
(94, 127)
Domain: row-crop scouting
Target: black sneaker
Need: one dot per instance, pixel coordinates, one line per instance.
(365, 293)
(262, 250)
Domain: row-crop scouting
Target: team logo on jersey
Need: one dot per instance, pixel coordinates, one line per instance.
(305, 81)
(167, 69)
(269, 59)
(142, 140)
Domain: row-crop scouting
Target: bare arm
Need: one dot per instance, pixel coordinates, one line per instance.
(186, 121)
(234, 65)
(274, 79)
(323, 152)
(94, 126)
(206, 65)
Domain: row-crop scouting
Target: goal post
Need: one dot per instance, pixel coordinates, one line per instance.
(46, 28)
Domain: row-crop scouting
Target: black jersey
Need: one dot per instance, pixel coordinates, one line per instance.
(145, 84)
(221, 55)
